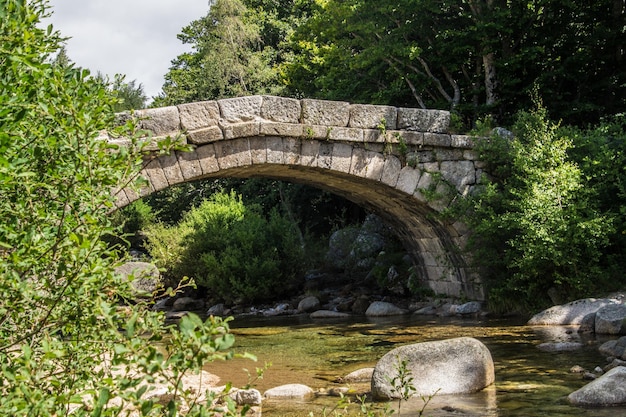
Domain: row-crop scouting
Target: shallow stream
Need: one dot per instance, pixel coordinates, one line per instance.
(529, 381)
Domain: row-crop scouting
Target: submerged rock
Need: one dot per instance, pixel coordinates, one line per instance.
(607, 390)
(246, 396)
(560, 346)
(290, 391)
(360, 375)
(328, 314)
(453, 366)
(382, 308)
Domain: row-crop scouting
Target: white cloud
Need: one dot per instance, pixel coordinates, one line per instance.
(132, 37)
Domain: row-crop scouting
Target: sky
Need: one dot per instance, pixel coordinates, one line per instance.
(136, 38)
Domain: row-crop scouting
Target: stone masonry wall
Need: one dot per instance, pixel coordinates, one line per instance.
(399, 162)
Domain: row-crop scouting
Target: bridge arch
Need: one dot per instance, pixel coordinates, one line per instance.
(398, 163)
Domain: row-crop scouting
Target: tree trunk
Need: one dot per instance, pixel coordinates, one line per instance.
(491, 80)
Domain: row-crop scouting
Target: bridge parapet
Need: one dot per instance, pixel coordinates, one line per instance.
(210, 121)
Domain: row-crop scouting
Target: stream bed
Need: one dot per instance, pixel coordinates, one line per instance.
(529, 381)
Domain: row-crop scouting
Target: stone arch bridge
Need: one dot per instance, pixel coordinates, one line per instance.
(399, 163)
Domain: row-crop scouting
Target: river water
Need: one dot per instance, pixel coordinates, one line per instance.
(529, 381)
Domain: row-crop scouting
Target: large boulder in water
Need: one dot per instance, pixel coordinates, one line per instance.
(607, 390)
(611, 319)
(453, 366)
(570, 313)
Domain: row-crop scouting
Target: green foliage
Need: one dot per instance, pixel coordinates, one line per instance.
(479, 57)
(237, 49)
(69, 344)
(539, 226)
(402, 384)
(231, 249)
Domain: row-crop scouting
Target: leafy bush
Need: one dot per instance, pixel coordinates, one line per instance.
(540, 231)
(232, 250)
(68, 343)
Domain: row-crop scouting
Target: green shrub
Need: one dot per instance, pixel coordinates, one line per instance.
(232, 250)
(538, 226)
(69, 344)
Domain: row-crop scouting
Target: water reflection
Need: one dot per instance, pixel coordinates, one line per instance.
(529, 381)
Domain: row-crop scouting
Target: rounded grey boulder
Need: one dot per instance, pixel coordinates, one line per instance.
(382, 308)
(453, 366)
(570, 313)
(309, 304)
(607, 390)
(611, 319)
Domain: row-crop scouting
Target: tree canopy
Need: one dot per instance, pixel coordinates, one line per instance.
(475, 57)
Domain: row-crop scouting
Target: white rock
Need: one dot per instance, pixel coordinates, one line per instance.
(570, 313)
(290, 391)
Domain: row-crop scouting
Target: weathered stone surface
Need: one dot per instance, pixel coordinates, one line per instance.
(611, 319)
(341, 157)
(309, 304)
(391, 171)
(614, 348)
(290, 391)
(367, 164)
(607, 390)
(453, 366)
(241, 130)
(382, 309)
(206, 135)
(570, 313)
(208, 159)
(280, 129)
(371, 117)
(161, 121)
(326, 113)
(281, 109)
(408, 179)
(240, 109)
(171, 169)
(199, 115)
(458, 173)
(189, 165)
(423, 120)
(216, 310)
(155, 174)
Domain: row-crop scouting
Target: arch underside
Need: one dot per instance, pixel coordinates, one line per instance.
(432, 244)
